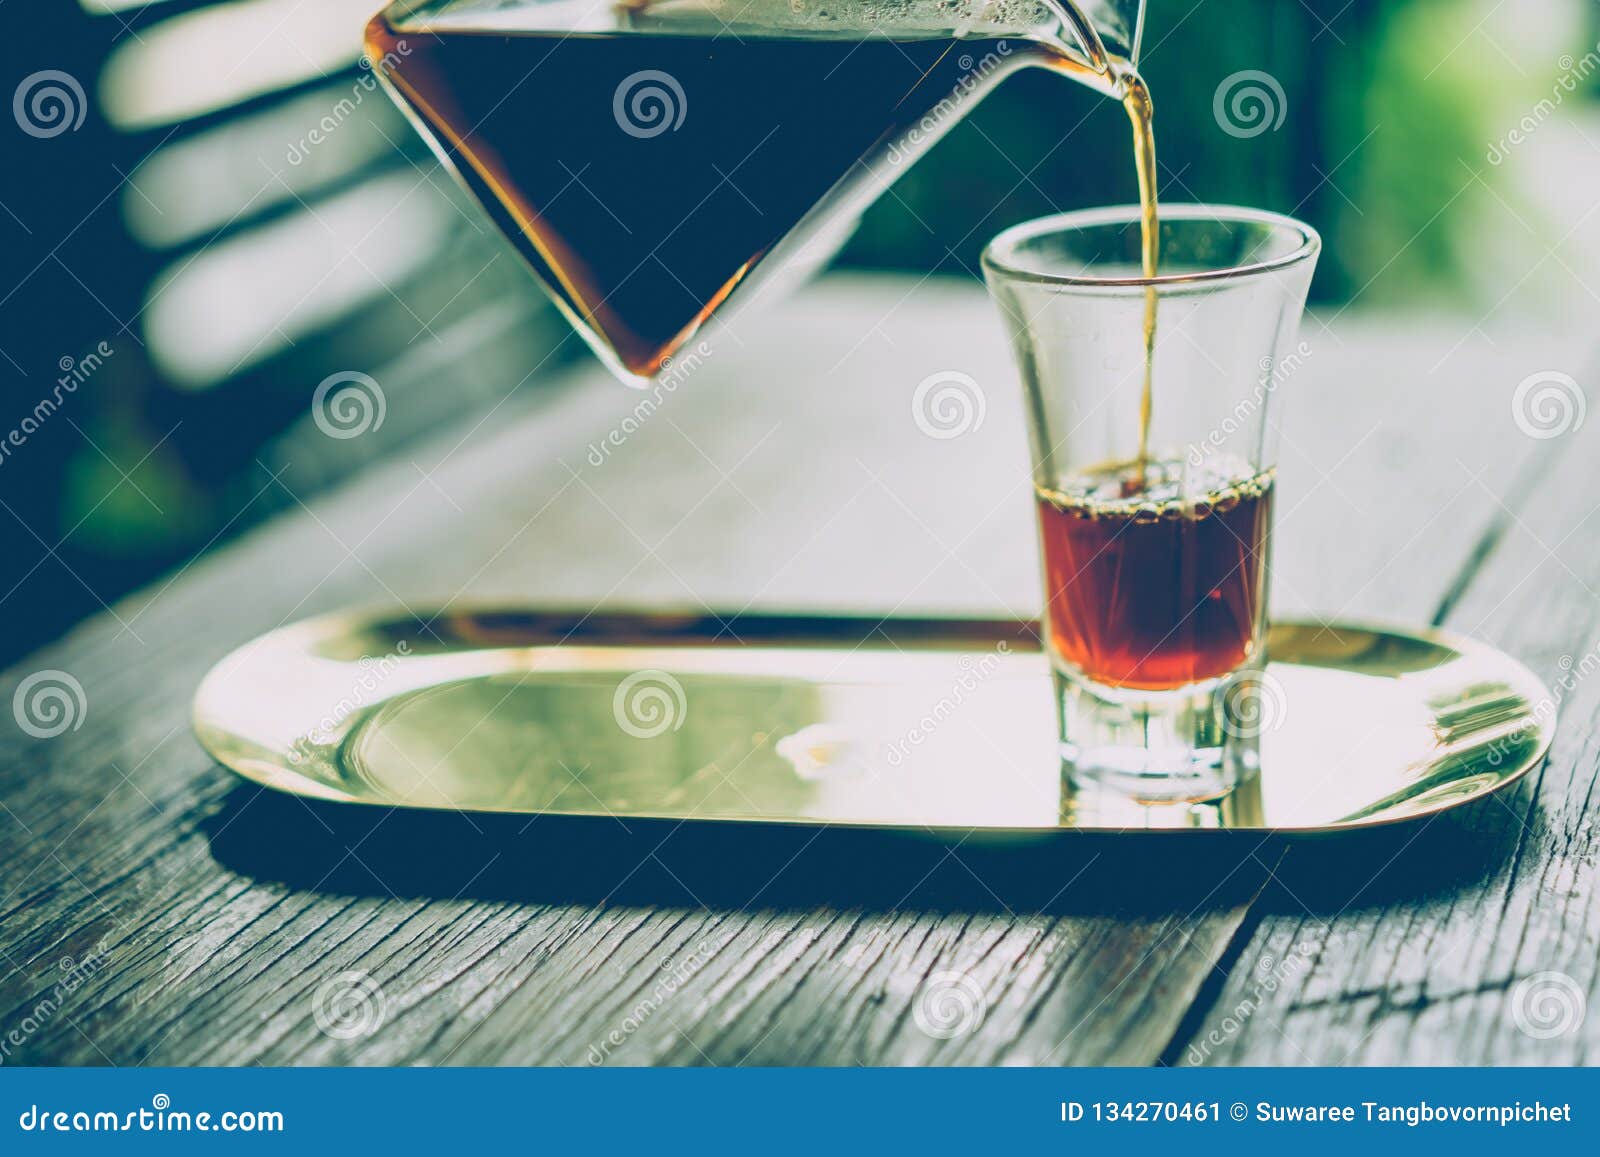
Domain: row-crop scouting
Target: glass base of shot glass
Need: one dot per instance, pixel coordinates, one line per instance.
(1154, 746)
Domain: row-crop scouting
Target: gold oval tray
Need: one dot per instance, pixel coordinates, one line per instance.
(942, 725)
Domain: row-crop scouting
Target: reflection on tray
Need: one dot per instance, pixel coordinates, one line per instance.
(945, 725)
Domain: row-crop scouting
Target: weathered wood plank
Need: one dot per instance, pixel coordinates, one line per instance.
(214, 913)
(1473, 941)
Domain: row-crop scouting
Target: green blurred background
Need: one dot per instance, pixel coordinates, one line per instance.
(1390, 108)
(228, 278)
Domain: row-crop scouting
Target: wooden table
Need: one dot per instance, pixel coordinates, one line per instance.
(158, 910)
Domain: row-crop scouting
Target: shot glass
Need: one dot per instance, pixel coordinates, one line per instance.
(1155, 496)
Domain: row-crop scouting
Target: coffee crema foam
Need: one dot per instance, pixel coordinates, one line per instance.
(1166, 489)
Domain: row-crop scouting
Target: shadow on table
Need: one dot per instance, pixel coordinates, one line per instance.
(348, 849)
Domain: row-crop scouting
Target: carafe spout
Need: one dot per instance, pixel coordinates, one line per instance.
(1103, 34)
(1120, 24)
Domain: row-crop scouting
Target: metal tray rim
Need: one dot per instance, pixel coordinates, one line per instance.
(952, 626)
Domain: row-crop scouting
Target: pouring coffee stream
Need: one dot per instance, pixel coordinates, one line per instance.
(1136, 99)
(656, 163)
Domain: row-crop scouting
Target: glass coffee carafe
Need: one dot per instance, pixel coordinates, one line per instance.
(656, 162)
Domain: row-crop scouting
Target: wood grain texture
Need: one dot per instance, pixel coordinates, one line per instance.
(200, 918)
(1477, 943)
